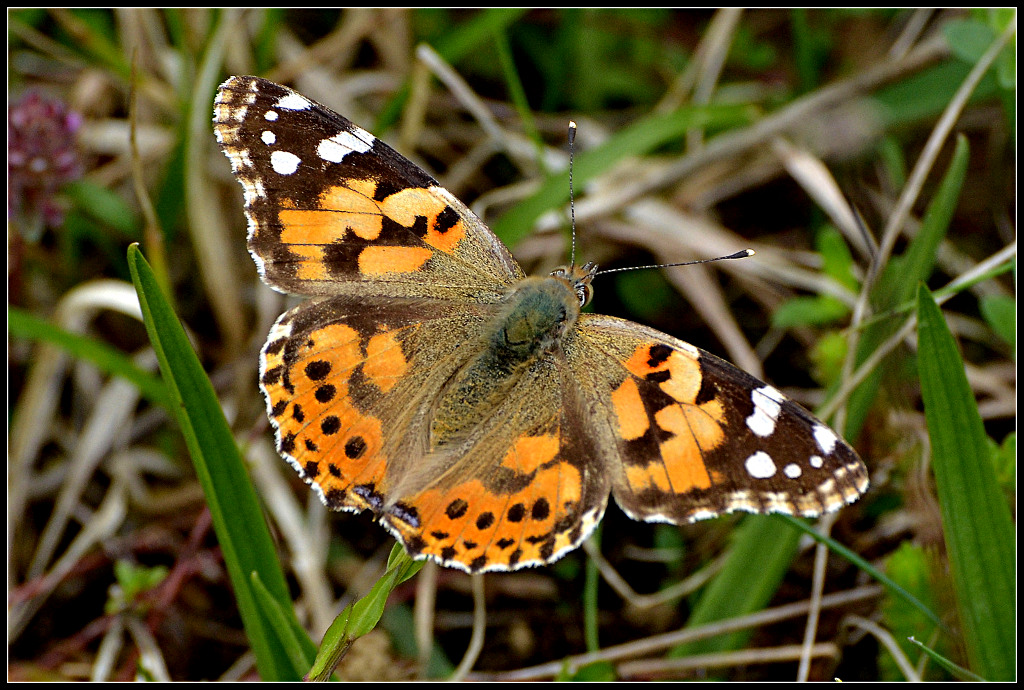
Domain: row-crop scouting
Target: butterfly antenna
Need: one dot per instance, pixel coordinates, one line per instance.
(738, 255)
(572, 217)
(572, 206)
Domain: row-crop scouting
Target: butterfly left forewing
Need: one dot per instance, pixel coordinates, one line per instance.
(689, 436)
(332, 209)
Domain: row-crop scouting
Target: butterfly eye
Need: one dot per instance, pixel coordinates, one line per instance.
(584, 293)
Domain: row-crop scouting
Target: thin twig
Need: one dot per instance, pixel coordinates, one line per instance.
(817, 587)
(657, 643)
(886, 638)
(476, 640)
(650, 669)
(645, 601)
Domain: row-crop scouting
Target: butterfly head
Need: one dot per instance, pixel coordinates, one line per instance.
(579, 279)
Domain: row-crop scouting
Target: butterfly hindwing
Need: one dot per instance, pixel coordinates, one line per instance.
(525, 489)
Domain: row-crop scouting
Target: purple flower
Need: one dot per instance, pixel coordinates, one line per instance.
(41, 156)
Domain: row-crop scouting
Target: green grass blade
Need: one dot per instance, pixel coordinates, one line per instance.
(954, 669)
(890, 584)
(237, 518)
(514, 84)
(467, 38)
(976, 519)
(108, 359)
(639, 138)
(296, 642)
(895, 286)
(916, 263)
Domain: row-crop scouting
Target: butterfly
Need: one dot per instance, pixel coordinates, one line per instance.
(478, 413)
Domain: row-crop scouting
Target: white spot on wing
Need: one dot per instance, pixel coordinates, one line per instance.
(270, 116)
(689, 349)
(792, 470)
(826, 438)
(766, 410)
(284, 163)
(293, 101)
(760, 465)
(340, 145)
(268, 137)
(817, 462)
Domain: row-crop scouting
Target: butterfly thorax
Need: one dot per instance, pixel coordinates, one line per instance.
(535, 316)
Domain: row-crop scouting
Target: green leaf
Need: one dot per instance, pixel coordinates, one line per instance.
(103, 205)
(362, 616)
(135, 579)
(837, 263)
(596, 672)
(978, 530)
(237, 517)
(132, 581)
(925, 94)
(1000, 313)
(820, 310)
(837, 260)
(106, 358)
(968, 38)
(827, 357)
(1005, 461)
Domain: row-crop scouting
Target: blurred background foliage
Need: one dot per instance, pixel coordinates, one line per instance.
(796, 132)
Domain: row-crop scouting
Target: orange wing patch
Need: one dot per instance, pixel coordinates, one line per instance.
(693, 428)
(385, 361)
(629, 410)
(445, 229)
(525, 514)
(375, 261)
(351, 208)
(334, 446)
